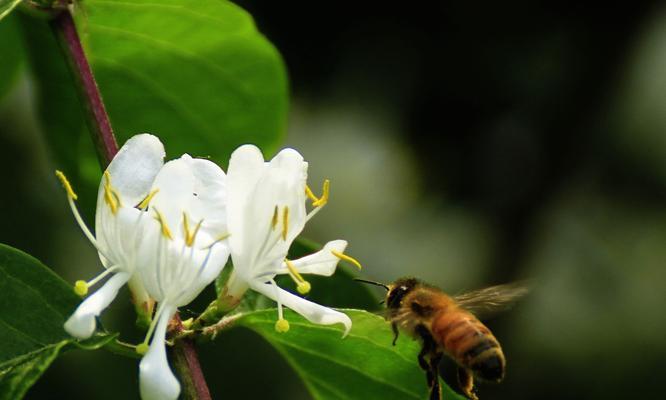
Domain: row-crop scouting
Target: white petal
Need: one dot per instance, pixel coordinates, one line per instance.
(322, 262)
(175, 185)
(156, 381)
(82, 323)
(246, 167)
(134, 168)
(210, 200)
(313, 312)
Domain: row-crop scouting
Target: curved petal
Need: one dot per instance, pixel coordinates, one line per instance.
(210, 199)
(322, 262)
(156, 381)
(175, 189)
(82, 323)
(134, 168)
(246, 167)
(313, 312)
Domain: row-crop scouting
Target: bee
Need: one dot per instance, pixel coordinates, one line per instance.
(449, 325)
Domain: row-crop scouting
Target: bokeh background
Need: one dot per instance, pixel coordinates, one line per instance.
(468, 145)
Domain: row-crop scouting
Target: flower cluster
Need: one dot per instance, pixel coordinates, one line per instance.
(167, 230)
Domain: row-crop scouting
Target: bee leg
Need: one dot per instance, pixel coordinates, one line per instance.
(466, 383)
(435, 389)
(394, 327)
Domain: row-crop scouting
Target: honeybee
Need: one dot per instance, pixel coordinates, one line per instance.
(449, 325)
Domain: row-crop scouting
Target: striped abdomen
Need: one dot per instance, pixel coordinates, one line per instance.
(469, 343)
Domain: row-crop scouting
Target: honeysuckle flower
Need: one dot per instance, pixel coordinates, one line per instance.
(118, 228)
(266, 211)
(184, 249)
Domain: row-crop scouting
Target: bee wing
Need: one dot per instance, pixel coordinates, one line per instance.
(491, 300)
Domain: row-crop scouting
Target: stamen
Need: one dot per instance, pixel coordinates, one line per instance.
(190, 235)
(281, 325)
(311, 196)
(71, 196)
(285, 222)
(110, 196)
(302, 285)
(166, 232)
(324, 197)
(81, 288)
(274, 220)
(347, 258)
(66, 185)
(144, 203)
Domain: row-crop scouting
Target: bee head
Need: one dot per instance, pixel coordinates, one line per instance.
(398, 290)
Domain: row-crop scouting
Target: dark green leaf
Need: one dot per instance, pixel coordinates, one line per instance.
(17, 377)
(11, 52)
(197, 73)
(34, 304)
(364, 365)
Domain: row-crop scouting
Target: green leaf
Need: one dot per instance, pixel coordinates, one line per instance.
(197, 73)
(364, 365)
(17, 377)
(11, 52)
(7, 6)
(34, 304)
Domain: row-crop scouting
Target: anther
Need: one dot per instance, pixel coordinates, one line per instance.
(282, 325)
(190, 235)
(142, 348)
(311, 196)
(285, 222)
(144, 203)
(320, 202)
(274, 220)
(165, 228)
(66, 185)
(81, 288)
(347, 258)
(110, 197)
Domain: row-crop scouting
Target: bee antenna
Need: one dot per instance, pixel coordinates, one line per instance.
(372, 283)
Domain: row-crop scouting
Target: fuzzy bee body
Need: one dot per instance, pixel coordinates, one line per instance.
(448, 326)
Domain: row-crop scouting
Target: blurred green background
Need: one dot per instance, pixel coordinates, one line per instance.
(467, 145)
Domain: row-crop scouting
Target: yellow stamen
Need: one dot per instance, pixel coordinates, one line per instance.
(274, 220)
(165, 228)
(142, 348)
(110, 196)
(324, 196)
(144, 203)
(282, 325)
(311, 196)
(285, 222)
(190, 235)
(302, 285)
(81, 288)
(347, 258)
(66, 185)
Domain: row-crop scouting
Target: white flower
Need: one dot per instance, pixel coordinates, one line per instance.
(184, 249)
(266, 211)
(118, 224)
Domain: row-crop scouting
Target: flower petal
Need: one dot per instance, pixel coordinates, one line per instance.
(313, 312)
(322, 262)
(156, 381)
(82, 323)
(175, 189)
(134, 168)
(210, 200)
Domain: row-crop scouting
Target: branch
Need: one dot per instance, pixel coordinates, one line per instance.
(185, 356)
(96, 117)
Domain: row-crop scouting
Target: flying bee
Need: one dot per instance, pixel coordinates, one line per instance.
(449, 325)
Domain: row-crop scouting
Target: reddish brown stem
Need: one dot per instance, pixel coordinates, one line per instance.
(185, 356)
(91, 100)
